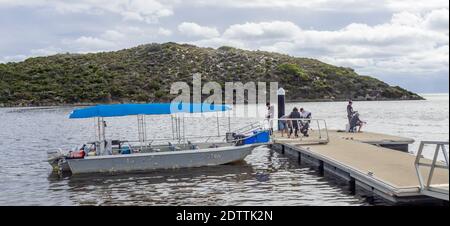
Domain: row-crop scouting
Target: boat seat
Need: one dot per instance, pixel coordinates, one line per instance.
(155, 150)
(192, 146)
(173, 147)
(116, 142)
(213, 146)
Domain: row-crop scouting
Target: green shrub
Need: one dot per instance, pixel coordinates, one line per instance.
(160, 94)
(293, 69)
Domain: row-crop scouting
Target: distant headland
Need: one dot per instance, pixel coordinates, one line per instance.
(145, 74)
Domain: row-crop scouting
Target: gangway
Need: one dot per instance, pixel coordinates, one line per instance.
(428, 188)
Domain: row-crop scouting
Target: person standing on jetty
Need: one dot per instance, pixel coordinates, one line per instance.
(350, 111)
(270, 116)
(295, 114)
(285, 125)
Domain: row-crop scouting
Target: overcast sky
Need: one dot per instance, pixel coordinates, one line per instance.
(403, 42)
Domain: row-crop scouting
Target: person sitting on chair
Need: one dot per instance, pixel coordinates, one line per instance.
(356, 122)
(304, 128)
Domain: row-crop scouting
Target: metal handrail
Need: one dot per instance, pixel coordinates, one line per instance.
(248, 128)
(440, 146)
(170, 139)
(310, 120)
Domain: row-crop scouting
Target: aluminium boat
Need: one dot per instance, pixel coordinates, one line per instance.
(118, 156)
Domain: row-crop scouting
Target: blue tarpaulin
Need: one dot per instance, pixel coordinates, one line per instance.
(119, 110)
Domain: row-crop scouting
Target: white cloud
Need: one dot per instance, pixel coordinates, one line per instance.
(33, 53)
(151, 10)
(148, 11)
(264, 30)
(115, 39)
(164, 32)
(14, 58)
(412, 42)
(438, 20)
(110, 40)
(195, 30)
(331, 5)
(93, 43)
(45, 51)
(416, 5)
(113, 35)
(219, 42)
(310, 4)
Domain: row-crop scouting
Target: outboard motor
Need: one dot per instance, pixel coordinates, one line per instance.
(53, 158)
(58, 161)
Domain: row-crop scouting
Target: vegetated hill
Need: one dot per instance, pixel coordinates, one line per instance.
(146, 73)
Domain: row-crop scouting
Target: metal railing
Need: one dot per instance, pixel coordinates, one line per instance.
(319, 124)
(158, 141)
(427, 187)
(248, 128)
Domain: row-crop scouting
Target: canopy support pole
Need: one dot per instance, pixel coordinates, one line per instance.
(218, 124)
(184, 129)
(142, 133)
(101, 136)
(101, 129)
(229, 122)
(99, 133)
(173, 129)
(179, 130)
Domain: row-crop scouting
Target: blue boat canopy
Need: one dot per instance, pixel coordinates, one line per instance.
(119, 110)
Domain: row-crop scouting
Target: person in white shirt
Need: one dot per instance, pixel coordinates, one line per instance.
(304, 114)
(305, 123)
(270, 116)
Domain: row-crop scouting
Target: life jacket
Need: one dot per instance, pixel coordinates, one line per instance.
(77, 154)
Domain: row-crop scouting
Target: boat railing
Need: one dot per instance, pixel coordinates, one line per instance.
(203, 139)
(248, 128)
(427, 187)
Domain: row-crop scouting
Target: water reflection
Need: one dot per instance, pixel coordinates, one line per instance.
(158, 187)
(264, 178)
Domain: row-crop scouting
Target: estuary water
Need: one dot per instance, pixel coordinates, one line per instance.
(264, 178)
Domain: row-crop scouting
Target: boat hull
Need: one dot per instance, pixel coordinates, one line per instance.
(161, 160)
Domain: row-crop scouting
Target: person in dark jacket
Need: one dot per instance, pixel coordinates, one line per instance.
(295, 114)
(350, 111)
(356, 122)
